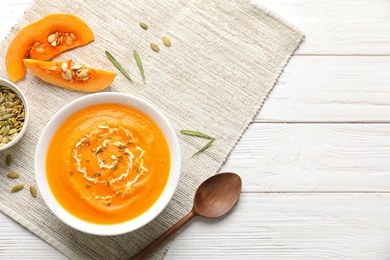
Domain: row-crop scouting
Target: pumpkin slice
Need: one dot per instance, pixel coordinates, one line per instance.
(70, 75)
(45, 39)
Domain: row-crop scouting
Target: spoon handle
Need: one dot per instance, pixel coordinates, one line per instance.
(158, 241)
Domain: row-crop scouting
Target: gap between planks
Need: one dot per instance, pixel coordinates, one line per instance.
(323, 122)
(316, 192)
(339, 55)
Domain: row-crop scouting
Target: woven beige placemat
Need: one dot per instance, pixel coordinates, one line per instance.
(224, 60)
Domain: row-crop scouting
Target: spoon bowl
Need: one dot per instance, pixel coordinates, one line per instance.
(215, 197)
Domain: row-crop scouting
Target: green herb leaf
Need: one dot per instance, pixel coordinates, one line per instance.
(201, 135)
(139, 64)
(196, 133)
(204, 147)
(118, 65)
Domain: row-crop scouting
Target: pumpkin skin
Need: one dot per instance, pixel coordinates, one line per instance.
(51, 72)
(24, 44)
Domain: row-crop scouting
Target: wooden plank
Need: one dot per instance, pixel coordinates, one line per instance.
(292, 226)
(331, 27)
(10, 13)
(263, 226)
(330, 89)
(17, 242)
(313, 158)
(338, 27)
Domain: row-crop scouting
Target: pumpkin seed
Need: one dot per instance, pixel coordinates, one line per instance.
(17, 188)
(72, 36)
(6, 130)
(8, 104)
(154, 47)
(54, 67)
(166, 41)
(5, 117)
(83, 73)
(16, 102)
(13, 175)
(143, 25)
(76, 67)
(68, 40)
(68, 73)
(85, 78)
(40, 50)
(63, 74)
(12, 137)
(9, 159)
(33, 191)
(12, 131)
(5, 139)
(64, 66)
(51, 38)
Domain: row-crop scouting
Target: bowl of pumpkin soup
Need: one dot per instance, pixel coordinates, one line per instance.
(107, 163)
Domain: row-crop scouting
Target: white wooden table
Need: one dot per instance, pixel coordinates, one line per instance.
(315, 163)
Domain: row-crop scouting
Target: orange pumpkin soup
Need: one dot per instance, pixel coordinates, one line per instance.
(107, 163)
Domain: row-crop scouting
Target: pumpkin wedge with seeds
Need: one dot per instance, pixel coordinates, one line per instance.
(70, 75)
(45, 39)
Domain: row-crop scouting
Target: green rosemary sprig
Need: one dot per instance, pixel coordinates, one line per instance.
(118, 65)
(139, 64)
(201, 135)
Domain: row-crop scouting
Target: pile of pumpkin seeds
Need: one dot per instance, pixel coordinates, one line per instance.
(15, 175)
(12, 115)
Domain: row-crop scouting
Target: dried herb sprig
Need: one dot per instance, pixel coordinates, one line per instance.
(139, 64)
(201, 135)
(118, 65)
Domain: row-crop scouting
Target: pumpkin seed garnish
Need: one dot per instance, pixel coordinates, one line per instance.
(139, 64)
(33, 191)
(9, 159)
(6, 130)
(99, 150)
(201, 135)
(154, 47)
(166, 41)
(13, 175)
(118, 65)
(17, 188)
(143, 25)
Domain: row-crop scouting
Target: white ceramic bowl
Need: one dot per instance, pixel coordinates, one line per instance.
(18, 91)
(101, 98)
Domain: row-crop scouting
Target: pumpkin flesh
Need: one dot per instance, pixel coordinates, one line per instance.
(52, 72)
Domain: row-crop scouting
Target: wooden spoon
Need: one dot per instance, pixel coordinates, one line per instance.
(213, 198)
